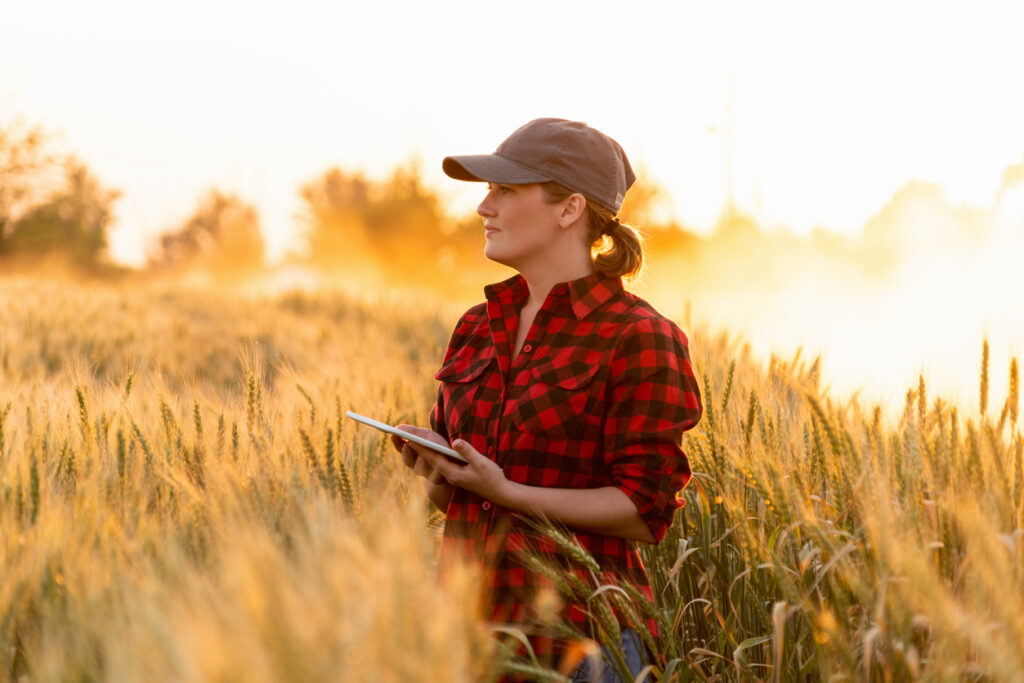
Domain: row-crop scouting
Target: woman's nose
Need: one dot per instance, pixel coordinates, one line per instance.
(484, 208)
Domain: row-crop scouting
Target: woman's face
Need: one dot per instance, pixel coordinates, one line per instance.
(519, 225)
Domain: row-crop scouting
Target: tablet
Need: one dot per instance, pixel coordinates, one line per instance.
(444, 450)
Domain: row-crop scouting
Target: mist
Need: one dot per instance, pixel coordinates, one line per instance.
(917, 292)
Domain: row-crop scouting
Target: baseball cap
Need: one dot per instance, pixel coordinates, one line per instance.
(571, 153)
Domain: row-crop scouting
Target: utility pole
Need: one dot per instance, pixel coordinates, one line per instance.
(727, 130)
(730, 148)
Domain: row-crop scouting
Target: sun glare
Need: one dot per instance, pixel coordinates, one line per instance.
(799, 115)
(224, 225)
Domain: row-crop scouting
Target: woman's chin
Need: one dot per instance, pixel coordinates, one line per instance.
(494, 254)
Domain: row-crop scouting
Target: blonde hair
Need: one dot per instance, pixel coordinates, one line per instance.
(622, 254)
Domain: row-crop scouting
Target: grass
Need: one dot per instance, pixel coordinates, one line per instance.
(181, 499)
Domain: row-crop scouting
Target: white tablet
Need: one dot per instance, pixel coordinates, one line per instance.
(444, 450)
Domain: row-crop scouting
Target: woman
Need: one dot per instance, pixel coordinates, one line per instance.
(566, 394)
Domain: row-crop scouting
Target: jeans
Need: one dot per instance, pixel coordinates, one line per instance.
(597, 671)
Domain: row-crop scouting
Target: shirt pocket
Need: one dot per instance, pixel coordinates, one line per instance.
(560, 402)
(460, 383)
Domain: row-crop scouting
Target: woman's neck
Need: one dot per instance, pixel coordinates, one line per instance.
(541, 280)
(566, 258)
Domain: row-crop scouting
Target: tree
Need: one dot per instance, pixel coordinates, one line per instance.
(222, 236)
(642, 201)
(72, 221)
(362, 229)
(403, 211)
(25, 168)
(335, 205)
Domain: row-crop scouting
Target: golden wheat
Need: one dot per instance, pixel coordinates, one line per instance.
(181, 498)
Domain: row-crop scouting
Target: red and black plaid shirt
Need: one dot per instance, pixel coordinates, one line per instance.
(599, 395)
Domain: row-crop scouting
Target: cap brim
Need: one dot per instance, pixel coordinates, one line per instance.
(491, 168)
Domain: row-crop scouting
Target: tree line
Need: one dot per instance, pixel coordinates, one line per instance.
(50, 205)
(53, 208)
(396, 232)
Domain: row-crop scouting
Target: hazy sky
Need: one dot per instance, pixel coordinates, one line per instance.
(835, 105)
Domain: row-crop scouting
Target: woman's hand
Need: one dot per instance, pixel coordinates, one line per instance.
(411, 452)
(480, 474)
(438, 490)
(606, 510)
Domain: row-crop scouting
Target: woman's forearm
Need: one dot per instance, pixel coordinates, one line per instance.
(605, 510)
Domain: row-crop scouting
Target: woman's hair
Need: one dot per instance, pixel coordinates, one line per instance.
(622, 255)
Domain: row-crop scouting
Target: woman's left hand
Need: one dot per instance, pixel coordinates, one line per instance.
(481, 475)
(604, 510)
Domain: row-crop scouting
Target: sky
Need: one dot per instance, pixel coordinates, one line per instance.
(806, 114)
(821, 110)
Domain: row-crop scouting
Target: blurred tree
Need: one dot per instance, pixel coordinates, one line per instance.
(671, 240)
(663, 242)
(222, 236)
(396, 232)
(642, 201)
(360, 229)
(26, 174)
(334, 207)
(403, 211)
(72, 221)
(736, 229)
(1013, 175)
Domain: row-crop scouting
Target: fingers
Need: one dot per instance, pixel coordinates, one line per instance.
(409, 456)
(447, 470)
(481, 475)
(420, 465)
(426, 463)
(423, 433)
(467, 451)
(396, 443)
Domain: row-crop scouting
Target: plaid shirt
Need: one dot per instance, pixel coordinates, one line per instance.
(599, 395)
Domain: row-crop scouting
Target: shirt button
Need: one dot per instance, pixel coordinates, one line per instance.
(528, 348)
(669, 469)
(490, 450)
(561, 290)
(486, 505)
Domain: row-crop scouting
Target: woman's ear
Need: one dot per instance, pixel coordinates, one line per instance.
(574, 207)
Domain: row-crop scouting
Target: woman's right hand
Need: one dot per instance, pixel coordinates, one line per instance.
(411, 454)
(439, 491)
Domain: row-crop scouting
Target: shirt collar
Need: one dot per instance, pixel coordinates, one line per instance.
(591, 292)
(511, 291)
(585, 294)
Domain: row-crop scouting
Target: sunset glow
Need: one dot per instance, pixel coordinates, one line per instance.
(805, 116)
(831, 111)
(224, 229)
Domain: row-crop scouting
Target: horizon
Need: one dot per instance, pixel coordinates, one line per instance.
(900, 121)
(803, 117)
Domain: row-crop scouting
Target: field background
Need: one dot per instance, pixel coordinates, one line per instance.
(222, 226)
(180, 499)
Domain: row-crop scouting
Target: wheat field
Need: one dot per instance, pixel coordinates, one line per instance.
(181, 499)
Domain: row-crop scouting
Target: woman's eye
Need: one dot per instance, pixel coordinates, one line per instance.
(503, 189)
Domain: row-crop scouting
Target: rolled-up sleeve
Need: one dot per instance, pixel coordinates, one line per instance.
(654, 398)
